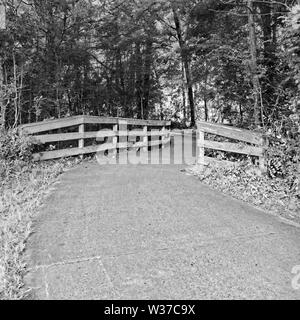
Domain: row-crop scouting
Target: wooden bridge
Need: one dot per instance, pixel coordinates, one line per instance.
(102, 134)
(81, 135)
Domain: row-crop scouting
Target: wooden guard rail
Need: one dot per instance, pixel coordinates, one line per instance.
(255, 143)
(118, 131)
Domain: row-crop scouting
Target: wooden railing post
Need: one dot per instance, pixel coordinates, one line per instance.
(262, 159)
(145, 138)
(115, 138)
(162, 137)
(81, 141)
(201, 148)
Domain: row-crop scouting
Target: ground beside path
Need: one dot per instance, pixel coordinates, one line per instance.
(153, 232)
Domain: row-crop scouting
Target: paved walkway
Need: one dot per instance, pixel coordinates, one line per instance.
(153, 232)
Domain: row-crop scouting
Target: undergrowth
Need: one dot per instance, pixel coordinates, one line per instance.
(278, 190)
(20, 196)
(276, 195)
(23, 185)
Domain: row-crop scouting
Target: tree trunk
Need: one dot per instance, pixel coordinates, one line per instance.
(147, 78)
(253, 63)
(205, 108)
(183, 88)
(139, 81)
(205, 97)
(121, 81)
(269, 51)
(16, 105)
(186, 65)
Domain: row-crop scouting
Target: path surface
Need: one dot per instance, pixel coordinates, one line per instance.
(153, 232)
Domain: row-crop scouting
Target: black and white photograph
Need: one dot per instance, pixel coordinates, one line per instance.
(150, 153)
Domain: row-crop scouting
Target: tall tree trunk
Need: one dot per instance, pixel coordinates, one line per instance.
(147, 78)
(139, 81)
(205, 97)
(205, 108)
(186, 64)
(121, 80)
(15, 90)
(269, 51)
(184, 91)
(253, 64)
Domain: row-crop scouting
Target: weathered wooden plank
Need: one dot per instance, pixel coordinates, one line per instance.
(63, 153)
(231, 132)
(135, 133)
(51, 125)
(46, 138)
(48, 125)
(99, 120)
(143, 133)
(140, 122)
(39, 123)
(56, 154)
(49, 155)
(232, 147)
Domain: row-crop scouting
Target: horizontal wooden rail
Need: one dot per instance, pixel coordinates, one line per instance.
(233, 147)
(47, 138)
(159, 136)
(255, 146)
(231, 132)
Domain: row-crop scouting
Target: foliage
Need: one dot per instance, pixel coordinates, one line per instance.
(245, 182)
(143, 58)
(14, 146)
(283, 159)
(292, 41)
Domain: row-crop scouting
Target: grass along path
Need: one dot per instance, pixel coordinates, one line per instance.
(277, 196)
(21, 194)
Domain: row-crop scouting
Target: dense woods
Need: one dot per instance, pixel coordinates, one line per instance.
(234, 61)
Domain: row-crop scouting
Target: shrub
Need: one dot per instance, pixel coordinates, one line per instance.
(15, 146)
(283, 158)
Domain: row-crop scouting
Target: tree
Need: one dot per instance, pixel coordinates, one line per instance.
(212, 59)
(253, 63)
(185, 61)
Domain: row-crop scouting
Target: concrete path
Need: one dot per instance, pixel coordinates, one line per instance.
(153, 232)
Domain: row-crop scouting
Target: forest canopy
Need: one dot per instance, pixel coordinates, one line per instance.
(232, 61)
